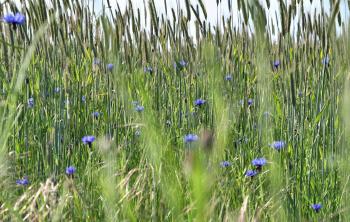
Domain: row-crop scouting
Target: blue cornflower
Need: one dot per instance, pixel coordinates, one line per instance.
(70, 170)
(31, 102)
(83, 99)
(199, 102)
(225, 164)
(88, 140)
(190, 138)
(22, 182)
(57, 89)
(148, 69)
(17, 19)
(316, 207)
(250, 102)
(96, 114)
(250, 173)
(110, 67)
(259, 163)
(182, 63)
(276, 64)
(278, 145)
(325, 60)
(228, 77)
(139, 108)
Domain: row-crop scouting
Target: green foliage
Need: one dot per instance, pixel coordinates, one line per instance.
(140, 168)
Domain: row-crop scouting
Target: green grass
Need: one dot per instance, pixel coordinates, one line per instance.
(139, 168)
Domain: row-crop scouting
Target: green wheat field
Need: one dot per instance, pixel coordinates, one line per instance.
(105, 120)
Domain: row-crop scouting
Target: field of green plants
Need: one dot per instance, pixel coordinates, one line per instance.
(105, 120)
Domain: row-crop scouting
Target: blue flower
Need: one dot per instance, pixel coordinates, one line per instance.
(316, 207)
(31, 102)
(148, 69)
(251, 173)
(22, 182)
(250, 102)
(57, 89)
(228, 77)
(88, 140)
(182, 63)
(96, 114)
(70, 170)
(17, 19)
(225, 164)
(278, 145)
(276, 64)
(139, 108)
(83, 99)
(259, 163)
(110, 67)
(325, 60)
(199, 102)
(190, 138)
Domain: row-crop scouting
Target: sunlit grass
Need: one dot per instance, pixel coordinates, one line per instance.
(139, 93)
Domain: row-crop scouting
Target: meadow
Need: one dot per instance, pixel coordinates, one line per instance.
(103, 120)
